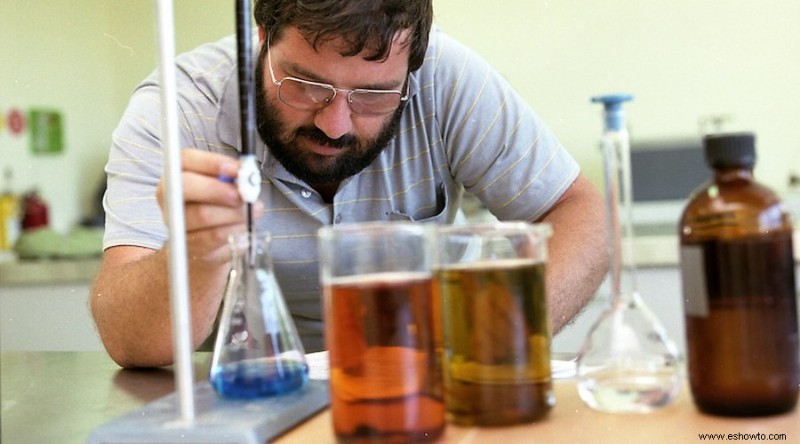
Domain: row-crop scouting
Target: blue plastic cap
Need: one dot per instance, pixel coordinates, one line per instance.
(612, 104)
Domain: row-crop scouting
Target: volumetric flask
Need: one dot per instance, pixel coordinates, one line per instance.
(627, 363)
(495, 326)
(257, 352)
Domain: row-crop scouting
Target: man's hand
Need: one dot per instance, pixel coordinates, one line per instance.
(212, 207)
(130, 297)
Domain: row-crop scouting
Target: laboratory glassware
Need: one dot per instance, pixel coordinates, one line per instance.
(737, 270)
(627, 363)
(495, 325)
(248, 180)
(378, 290)
(257, 350)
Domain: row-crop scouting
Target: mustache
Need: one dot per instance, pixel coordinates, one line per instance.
(316, 135)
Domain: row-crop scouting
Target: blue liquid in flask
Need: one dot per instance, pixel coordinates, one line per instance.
(255, 378)
(257, 352)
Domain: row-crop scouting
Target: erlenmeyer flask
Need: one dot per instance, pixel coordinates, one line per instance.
(257, 352)
(627, 363)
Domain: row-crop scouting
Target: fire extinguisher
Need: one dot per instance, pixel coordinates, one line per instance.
(34, 212)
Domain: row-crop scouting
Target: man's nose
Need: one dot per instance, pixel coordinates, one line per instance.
(335, 120)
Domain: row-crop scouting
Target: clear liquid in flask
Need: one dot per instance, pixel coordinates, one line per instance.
(627, 364)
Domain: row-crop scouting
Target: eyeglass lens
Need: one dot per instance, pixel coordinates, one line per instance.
(306, 95)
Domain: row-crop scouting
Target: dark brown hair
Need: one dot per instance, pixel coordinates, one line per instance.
(370, 25)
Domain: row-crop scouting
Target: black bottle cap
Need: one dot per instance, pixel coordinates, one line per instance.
(730, 150)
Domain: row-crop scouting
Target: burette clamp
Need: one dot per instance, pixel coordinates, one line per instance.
(248, 180)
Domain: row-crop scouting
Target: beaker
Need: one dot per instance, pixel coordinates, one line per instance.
(378, 292)
(495, 326)
(257, 352)
(627, 364)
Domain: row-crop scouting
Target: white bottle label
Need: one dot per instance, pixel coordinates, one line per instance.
(693, 273)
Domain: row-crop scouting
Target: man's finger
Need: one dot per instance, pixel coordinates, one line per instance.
(209, 164)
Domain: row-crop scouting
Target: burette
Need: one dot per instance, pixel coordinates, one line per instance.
(248, 180)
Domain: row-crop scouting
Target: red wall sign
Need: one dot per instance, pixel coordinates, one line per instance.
(15, 121)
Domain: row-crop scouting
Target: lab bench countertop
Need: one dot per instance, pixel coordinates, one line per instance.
(63, 396)
(48, 271)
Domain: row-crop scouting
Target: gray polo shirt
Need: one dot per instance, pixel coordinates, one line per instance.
(463, 128)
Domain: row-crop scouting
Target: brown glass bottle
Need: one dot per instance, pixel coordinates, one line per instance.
(740, 305)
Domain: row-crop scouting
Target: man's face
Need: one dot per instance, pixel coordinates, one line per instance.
(327, 145)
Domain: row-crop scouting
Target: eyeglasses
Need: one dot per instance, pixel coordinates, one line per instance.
(312, 96)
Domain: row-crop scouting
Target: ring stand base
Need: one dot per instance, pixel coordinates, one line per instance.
(217, 420)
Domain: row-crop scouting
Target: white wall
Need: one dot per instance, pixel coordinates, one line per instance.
(683, 60)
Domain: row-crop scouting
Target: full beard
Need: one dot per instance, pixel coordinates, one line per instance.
(284, 143)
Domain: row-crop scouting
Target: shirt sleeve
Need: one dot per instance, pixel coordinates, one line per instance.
(134, 169)
(135, 164)
(495, 144)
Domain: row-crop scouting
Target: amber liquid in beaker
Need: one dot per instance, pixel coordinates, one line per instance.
(496, 360)
(743, 354)
(385, 384)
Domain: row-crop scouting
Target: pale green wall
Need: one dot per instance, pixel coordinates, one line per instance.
(683, 60)
(83, 58)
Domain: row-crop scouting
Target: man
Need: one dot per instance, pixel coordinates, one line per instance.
(364, 113)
